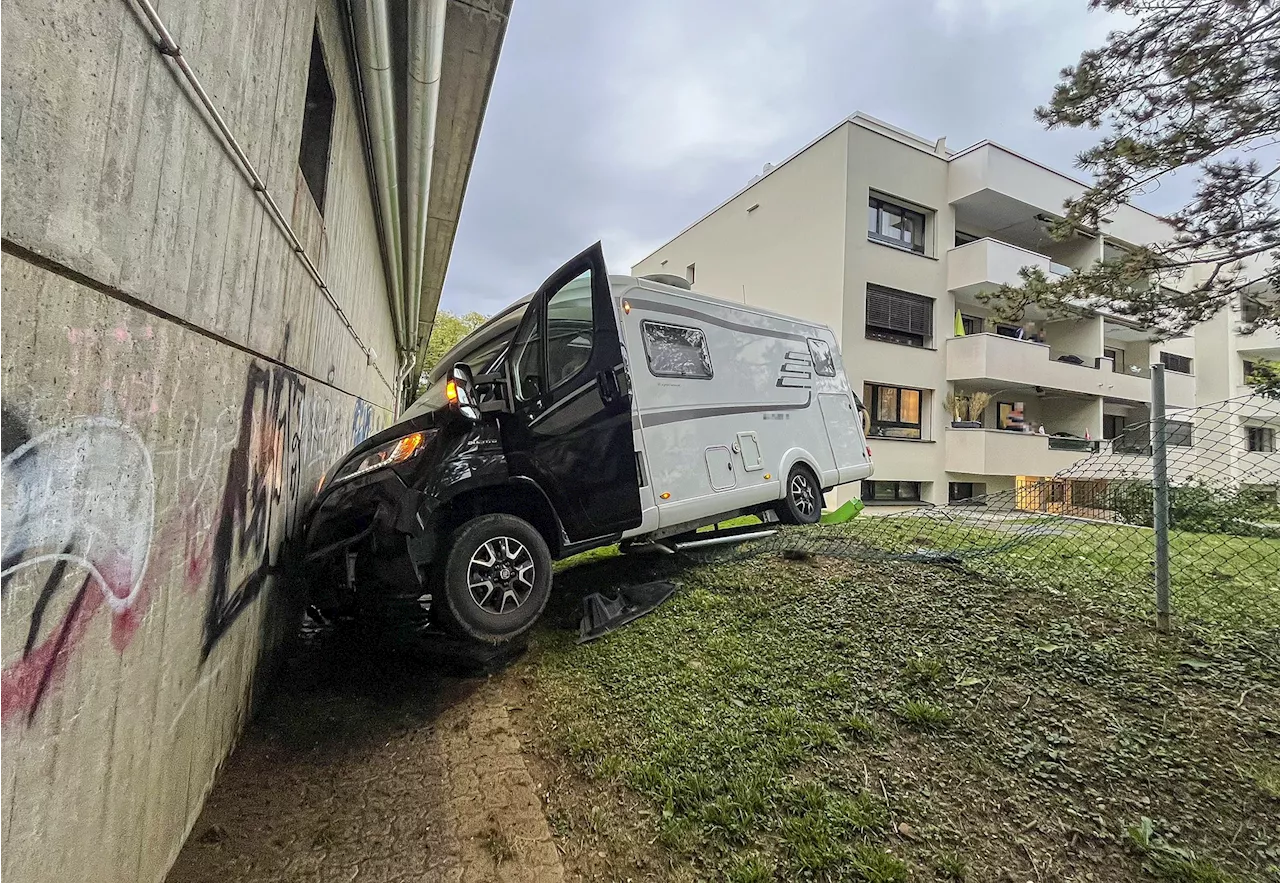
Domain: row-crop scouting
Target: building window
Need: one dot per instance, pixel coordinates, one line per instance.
(1262, 439)
(895, 411)
(899, 317)
(891, 492)
(317, 125)
(1117, 358)
(676, 351)
(1174, 362)
(1249, 368)
(1250, 309)
(823, 364)
(963, 238)
(964, 491)
(887, 222)
(1178, 432)
(689, 273)
(972, 324)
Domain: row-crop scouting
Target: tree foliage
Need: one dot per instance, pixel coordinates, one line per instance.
(447, 331)
(1193, 86)
(1265, 379)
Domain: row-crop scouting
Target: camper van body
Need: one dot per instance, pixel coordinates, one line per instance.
(600, 409)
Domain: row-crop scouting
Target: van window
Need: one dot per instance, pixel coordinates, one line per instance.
(569, 331)
(823, 364)
(676, 351)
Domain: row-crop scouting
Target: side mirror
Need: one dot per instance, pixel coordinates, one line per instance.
(460, 391)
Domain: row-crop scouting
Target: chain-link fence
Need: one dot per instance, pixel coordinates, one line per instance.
(1176, 518)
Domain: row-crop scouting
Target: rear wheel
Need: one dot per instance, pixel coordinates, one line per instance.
(497, 579)
(803, 501)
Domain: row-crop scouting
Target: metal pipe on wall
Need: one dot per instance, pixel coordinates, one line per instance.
(374, 57)
(426, 48)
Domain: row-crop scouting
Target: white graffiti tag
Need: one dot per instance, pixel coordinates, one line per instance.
(82, 493)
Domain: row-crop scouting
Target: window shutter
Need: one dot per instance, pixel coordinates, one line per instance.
(899, 311)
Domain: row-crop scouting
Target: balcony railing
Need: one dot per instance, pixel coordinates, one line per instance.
(1000, 452)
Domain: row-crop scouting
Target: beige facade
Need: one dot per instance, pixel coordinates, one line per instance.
(808, 238)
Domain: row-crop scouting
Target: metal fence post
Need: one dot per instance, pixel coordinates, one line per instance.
(1160, 497)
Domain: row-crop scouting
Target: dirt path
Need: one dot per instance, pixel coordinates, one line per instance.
(371, 765)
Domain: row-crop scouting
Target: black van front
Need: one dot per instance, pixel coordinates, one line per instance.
(519, 451)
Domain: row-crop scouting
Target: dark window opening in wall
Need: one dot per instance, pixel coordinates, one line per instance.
(972, 324)
(891, 492)
(1008, 330)
(965, 238)
(895, 411)
(1250, 309)
(317, 125)
(1116, 356)
(689, 273)
(1175, 362)
(1249, 368)
(1178, 432)
(899, 317)
(894, 224)
(965, 492)
(1262, 439)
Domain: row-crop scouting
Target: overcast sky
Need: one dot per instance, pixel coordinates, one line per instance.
(626, 122)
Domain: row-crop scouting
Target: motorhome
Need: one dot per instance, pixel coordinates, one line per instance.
(599, 410)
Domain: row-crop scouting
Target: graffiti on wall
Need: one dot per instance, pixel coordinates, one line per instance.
(101, 512)
(68, 508)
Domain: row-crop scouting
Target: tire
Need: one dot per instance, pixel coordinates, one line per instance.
(487, 594)
(803, 501)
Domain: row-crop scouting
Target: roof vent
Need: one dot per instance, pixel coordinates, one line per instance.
(669, 279)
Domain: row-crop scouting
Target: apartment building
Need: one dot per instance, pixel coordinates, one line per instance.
(891, 239)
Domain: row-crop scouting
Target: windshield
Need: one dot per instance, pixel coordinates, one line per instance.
(480, 351)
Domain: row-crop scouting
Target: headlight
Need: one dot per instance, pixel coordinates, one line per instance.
(398, 451)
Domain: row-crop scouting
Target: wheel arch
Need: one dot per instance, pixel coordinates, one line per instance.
(519, 496)
(789, 460)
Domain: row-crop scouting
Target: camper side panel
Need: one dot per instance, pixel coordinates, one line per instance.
(728, 401)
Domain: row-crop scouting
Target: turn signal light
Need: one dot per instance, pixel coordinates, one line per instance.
(626, 306)
(767, 476)
(666, 495)
(451, 391)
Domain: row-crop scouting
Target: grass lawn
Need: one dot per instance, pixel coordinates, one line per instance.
(835, 719)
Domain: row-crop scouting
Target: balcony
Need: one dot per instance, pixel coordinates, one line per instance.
(985, 265)
(998, 452)
(1002, 188)
(1008, 361)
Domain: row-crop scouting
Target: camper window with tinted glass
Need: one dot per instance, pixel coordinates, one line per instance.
(676, 351)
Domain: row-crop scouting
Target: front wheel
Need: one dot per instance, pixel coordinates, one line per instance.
(803, 501)
(497, 579)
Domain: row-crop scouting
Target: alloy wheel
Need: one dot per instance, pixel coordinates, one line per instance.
(803, 495)
(500, 575)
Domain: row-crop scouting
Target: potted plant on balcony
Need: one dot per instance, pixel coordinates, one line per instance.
(977, 407)
(959, 406)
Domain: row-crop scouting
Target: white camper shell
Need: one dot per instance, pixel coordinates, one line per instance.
(727, 401)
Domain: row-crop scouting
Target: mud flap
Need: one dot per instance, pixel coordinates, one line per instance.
(601, 615)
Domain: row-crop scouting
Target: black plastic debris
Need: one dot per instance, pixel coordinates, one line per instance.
(601, 615)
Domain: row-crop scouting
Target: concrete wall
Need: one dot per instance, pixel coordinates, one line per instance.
(174, 387)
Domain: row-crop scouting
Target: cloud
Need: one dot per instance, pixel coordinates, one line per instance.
(625, 122)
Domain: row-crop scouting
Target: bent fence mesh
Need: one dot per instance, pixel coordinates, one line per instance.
(1089, 531)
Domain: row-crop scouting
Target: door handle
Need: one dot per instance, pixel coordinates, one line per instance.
(607, 382)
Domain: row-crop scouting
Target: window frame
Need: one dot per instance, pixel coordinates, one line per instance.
(813, 354)
(1260, 439)
(899, 336)
(966, 318)
(317, 121)
(1166, 357)
(648, 356)
(871, 393)
(898, 488)
(878, 204)
(1180, 427)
